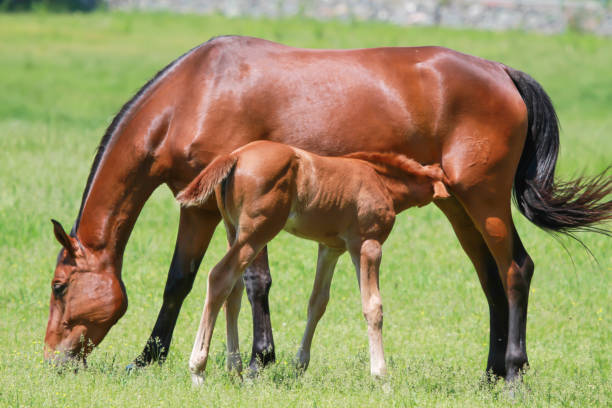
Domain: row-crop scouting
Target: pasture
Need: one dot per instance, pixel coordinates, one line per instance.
(62, 79)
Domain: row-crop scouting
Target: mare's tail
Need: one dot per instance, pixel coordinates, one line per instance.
(564, 207)
(201, 188)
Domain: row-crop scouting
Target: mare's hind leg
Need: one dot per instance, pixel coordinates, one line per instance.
(319, 297)
(493, 218)
(366, 259)
(476, 248)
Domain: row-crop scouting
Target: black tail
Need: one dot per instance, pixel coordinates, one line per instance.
(564, 207)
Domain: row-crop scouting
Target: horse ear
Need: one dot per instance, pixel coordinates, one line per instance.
(440, 190)
(63, 238)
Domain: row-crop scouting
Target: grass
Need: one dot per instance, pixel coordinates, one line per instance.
(62, 78)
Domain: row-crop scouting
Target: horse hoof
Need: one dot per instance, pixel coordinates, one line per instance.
(252, 373)
(378, 377)
(131, 368)
(197, 379)
(300, 366)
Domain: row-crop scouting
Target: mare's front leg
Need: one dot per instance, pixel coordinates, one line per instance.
(319, 297)
(196, 228)
(367, 262)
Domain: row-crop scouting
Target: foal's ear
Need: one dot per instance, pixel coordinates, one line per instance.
(440, 190)
(63, 238)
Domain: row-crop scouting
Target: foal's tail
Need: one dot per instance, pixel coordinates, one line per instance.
(564, 207)
(201, 188)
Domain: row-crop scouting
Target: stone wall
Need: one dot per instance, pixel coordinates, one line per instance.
(547, 16)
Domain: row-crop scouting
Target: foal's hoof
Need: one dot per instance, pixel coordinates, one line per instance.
(379, 374)
(197, 379)
(300, 368)
(301, 362)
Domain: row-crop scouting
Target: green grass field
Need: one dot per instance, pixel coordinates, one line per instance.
(63, 77)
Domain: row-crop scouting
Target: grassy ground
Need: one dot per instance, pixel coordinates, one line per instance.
(62, 78)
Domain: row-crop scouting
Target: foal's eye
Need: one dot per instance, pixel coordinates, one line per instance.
(59, 289)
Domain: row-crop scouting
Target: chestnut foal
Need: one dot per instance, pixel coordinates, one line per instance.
(345, 203)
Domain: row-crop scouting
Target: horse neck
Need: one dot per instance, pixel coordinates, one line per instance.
(123, 180)
(399, 190)
(408, 182)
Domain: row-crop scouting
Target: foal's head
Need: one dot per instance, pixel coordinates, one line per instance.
(87, 298)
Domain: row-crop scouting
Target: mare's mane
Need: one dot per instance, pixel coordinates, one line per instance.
(110, 131)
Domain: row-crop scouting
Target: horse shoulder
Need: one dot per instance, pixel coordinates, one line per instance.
(375, 209)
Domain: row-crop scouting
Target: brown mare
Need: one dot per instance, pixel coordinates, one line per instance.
(346, 204)
(490, 128)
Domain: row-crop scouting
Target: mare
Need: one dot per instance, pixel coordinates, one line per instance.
(346, 204)
(492, 129)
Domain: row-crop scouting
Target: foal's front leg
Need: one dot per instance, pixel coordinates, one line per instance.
(319, 297)
(367, 263)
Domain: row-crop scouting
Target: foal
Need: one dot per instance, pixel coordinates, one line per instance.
(345, 203)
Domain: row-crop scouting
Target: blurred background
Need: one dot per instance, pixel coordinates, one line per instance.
(66, 68)
(549, 16)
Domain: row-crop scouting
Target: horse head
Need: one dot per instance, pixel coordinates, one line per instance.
(87, 298)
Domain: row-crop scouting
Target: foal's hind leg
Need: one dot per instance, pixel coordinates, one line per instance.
(221, 281)
(253, 234)
(319, 297)
(476, 248)
(367, 261)
(232, 311)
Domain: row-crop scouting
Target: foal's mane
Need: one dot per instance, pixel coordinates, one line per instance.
(389, 163)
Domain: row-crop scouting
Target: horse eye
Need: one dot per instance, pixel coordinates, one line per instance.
(59, 289)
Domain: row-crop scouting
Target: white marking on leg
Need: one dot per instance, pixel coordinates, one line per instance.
(370, 257)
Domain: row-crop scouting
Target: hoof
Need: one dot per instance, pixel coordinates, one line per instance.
(380, 373)
(139, 364)
(252, 373)
(300, 368)
(489, 379)
(301, 361)
(197, 379)
(234, 364)
(261, 360)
